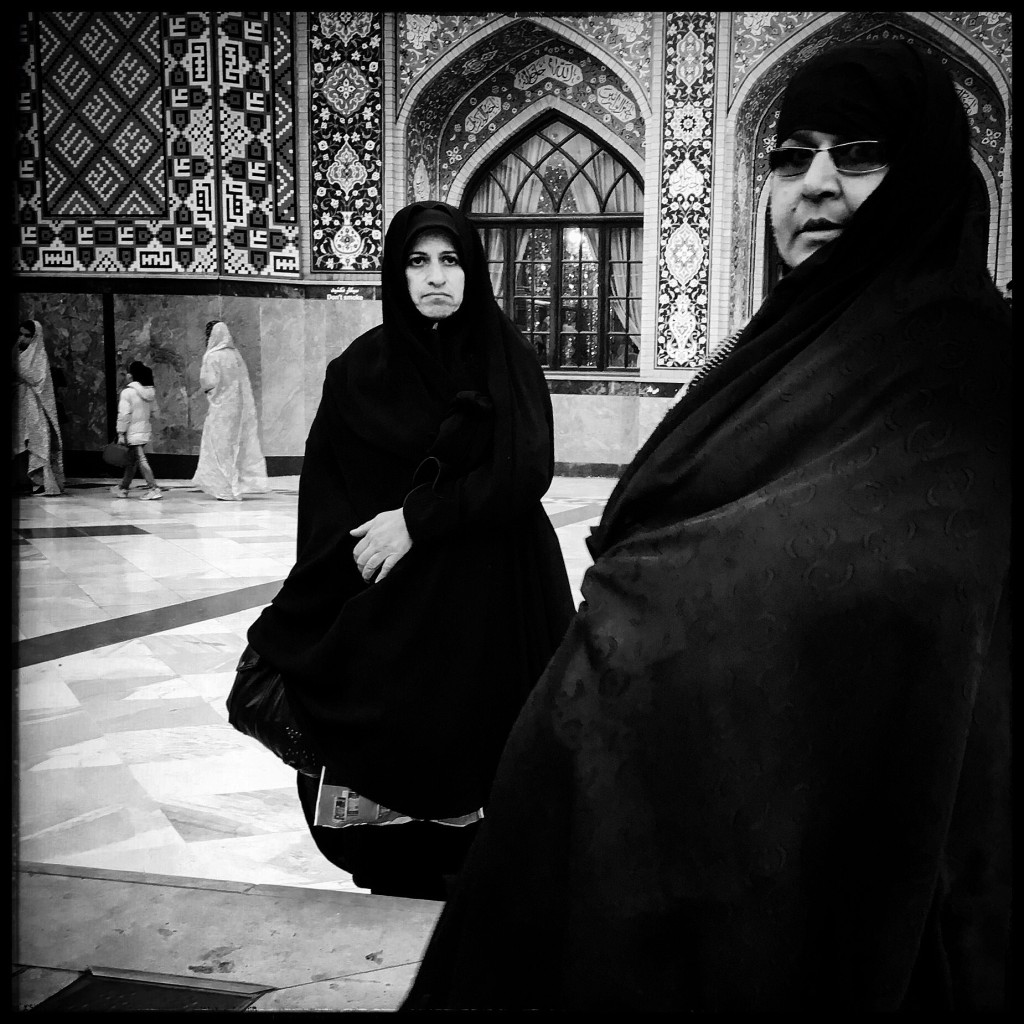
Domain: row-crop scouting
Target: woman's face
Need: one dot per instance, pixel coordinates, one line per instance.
(434, 274)
(811, 209)
(24, 338)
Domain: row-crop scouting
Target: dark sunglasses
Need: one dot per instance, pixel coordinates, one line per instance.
(859, 157)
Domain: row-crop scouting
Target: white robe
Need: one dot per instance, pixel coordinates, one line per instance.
(231, 461)
(34, 424)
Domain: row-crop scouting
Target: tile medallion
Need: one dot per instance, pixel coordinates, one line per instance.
(683, 277)
(346, 143)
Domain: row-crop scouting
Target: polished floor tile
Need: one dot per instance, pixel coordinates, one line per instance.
(130, 617)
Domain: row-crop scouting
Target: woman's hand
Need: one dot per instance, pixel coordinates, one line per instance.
(384, 542)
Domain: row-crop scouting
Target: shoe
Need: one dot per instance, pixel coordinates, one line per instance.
(118, 492)
(152, 494)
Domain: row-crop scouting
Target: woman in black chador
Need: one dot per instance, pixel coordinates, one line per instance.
(767, 768)
(429, 589)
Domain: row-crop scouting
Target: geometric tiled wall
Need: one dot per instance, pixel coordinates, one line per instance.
(259, 235)
(166, 143)
(156, 143)
(100, 87)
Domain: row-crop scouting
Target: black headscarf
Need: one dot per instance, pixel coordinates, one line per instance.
(912, 242)
(773, 746)
(408, 686)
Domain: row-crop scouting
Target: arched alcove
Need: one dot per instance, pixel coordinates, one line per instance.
(755, 113)
(524, 121)
(477, 97)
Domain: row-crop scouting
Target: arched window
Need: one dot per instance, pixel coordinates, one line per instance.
(561, 219)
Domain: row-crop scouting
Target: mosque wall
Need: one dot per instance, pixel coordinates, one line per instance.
(179, 167)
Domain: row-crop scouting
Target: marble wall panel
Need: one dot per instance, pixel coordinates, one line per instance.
(650, 413)
(287, 344)
(282, 337)
(596, 428)
(73, 335)
(332, 326)
(314, 363)
(167, 332)
(345, 321)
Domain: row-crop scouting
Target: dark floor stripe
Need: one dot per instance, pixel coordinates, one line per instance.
(38, 649)
(110, 530)
(575, 515)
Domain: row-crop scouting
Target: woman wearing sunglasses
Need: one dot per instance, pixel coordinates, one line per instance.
(767, 768)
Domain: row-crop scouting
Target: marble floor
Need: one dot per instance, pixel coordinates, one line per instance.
(129, 618)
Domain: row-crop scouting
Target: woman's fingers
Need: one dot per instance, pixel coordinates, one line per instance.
(389, 563)
(382, 542)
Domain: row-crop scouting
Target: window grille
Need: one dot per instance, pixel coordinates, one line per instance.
(561, 220)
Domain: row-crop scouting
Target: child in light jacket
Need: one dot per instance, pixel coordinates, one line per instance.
(138, 400)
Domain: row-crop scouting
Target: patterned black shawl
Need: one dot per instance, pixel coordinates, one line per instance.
(767, 767)
(409, 686)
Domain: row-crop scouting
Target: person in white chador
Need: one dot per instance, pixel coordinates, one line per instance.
(231, 461)
(35, 428)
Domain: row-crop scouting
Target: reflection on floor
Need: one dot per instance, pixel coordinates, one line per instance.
(129, 620)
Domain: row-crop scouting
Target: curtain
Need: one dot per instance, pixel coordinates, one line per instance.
(597, 183)
(607, 174)
(495, 248)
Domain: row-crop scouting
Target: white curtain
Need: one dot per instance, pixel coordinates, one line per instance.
(605, 170)
(602, 177)
(496, 258)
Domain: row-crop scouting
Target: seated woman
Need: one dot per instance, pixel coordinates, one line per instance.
(429, 590)
(767, 768)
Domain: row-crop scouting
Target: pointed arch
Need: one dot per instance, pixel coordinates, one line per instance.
(476, 83)
(478, 35)
(759, 92)
(522, 123)
(566, 260)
